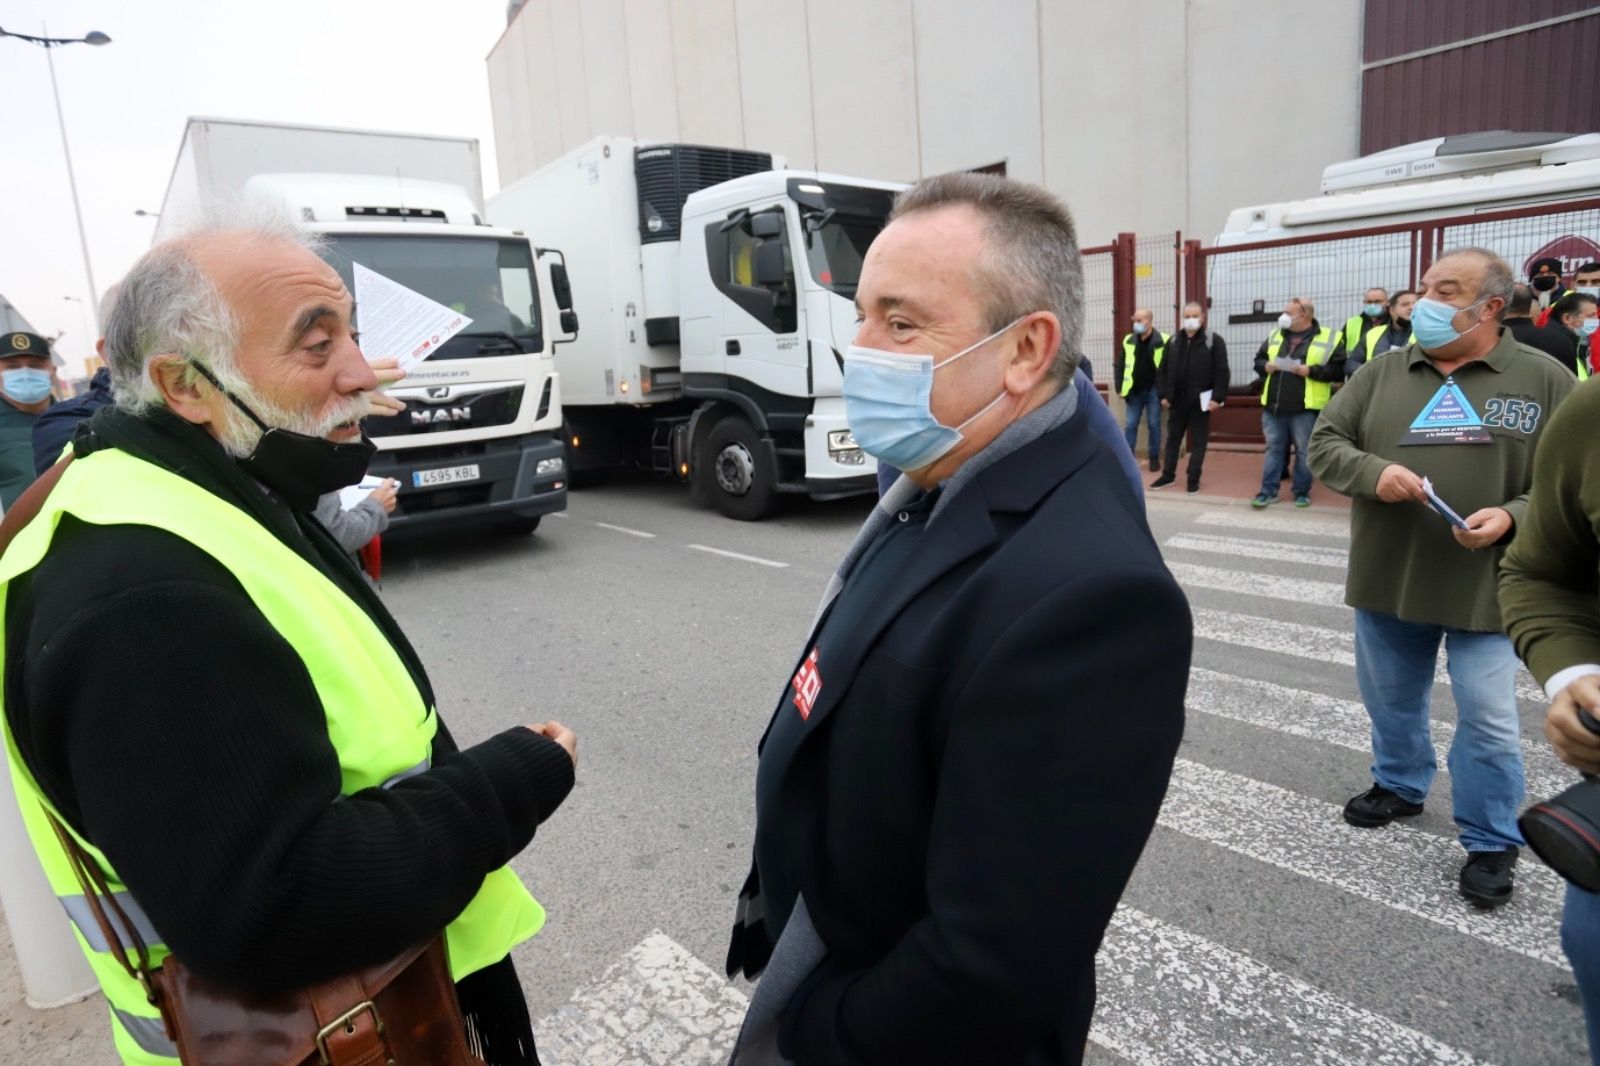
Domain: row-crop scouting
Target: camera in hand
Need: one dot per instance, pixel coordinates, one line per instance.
(1565, 831)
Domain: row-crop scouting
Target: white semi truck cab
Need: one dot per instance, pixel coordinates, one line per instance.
(480, 436)
(717, 294)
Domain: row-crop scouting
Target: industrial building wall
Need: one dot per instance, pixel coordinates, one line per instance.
(1146, 115)
(1431, 68)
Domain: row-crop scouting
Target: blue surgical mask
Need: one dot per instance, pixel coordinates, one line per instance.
(1432, 323)
(1589, 325)
(887, 405)
(1139, 329)
(26, 384)
(1372, 310)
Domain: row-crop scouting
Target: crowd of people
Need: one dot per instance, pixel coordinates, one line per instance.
(278, 803)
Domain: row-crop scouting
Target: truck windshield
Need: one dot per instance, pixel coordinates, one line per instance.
(490, 281)
(835, 252)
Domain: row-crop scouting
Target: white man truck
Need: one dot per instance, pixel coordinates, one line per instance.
(479, 439)
(716, 291)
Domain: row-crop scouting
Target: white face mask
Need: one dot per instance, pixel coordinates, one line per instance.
(1284, 320)
(1192, 325)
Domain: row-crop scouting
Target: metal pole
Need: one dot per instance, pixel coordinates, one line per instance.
(72, 183)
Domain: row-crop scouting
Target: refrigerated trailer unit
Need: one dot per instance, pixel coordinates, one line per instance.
(716, 293)
(479, 439)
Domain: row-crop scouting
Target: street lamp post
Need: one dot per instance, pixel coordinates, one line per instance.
(48, 43)
(82, 312)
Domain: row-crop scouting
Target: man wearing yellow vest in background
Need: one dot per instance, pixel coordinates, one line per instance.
(1374, 316)
(1297, 366)
(1134, 370)
(203, 689)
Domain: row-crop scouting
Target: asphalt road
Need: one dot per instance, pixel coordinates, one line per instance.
(1258, 928)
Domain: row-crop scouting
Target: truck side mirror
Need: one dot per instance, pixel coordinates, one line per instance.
(769, 267)
(560, 286)
(569, 322)
(766, 225)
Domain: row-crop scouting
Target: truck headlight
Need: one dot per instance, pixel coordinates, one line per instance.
(550, 466)
(842, 440)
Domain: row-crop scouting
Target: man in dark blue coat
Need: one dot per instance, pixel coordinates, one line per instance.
(972, 746)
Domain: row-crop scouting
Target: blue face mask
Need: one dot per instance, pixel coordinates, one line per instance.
(886, 403)
(1589, 326)
(26, 384)
(1139, 329)
(1372, 310)
(1432, 323)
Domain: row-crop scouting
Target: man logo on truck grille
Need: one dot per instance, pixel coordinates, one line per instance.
(441, 414)
(807, 685)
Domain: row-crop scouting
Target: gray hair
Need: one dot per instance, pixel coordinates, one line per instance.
(167, 305)
(1305, 305)
(1031, 262)
(1498, 280)
(108, 300)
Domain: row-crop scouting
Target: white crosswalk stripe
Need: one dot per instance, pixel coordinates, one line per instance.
(658, 1004)
(1309, 642)
(1272, 586)
(1171, 998)
(1342, 723)
(1401, 868)
(1276, 523)
(1301, 554)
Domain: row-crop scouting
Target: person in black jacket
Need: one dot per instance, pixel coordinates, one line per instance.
(1193, 383)
(970, 749)
(196, 755)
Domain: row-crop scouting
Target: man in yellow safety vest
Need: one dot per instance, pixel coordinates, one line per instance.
(203, 690)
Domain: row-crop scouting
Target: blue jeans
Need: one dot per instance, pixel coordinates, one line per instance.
(1580, 939)
(1148, 404)
(1394, 665)
(1277, 429)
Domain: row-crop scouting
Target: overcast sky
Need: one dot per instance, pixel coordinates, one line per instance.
(404, 65)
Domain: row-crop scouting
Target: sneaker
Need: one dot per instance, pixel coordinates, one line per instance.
(1263, 500)
(1486, 879)
(1302, 501)
(1194, 487)
(1163, 481)
(1155, 464)
(1378, 806)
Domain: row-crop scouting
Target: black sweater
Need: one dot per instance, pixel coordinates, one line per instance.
(182, 735)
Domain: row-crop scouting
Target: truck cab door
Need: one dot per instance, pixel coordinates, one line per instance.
(751, 261)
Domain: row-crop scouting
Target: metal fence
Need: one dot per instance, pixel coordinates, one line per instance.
(1099, 311)
(1245, 286)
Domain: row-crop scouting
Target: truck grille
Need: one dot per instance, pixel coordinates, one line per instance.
(667, 173)
(449, 409)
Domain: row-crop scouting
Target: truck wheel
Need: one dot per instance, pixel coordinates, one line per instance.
(735, 471)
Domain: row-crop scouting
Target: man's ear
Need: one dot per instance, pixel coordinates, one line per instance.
(185, 393)
(1038, 340)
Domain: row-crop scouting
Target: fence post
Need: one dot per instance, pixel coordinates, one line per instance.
(1124, 285)
(1193, 272)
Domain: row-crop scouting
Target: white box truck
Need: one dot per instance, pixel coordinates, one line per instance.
(717, 294)
(1486, 176)
(479, 439)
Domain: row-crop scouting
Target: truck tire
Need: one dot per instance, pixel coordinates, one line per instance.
(736, 472)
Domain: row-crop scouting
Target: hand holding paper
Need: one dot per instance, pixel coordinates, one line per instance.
(1439, 505)
(1483, 528)
(378, 404)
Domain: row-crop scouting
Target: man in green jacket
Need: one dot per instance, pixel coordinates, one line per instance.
(1459, 411)
(1551, 602)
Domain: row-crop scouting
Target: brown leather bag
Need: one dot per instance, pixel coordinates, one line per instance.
(402, 1012)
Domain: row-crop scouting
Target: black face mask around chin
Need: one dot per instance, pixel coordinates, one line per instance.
(298, 467)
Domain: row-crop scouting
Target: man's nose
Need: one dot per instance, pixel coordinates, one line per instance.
(354, 375)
